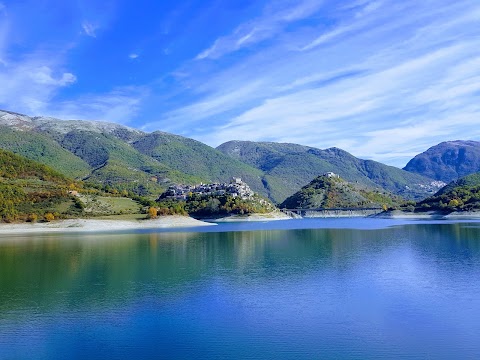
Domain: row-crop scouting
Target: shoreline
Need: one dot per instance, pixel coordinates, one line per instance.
(96, 225)
(431, 215)
(272, 216)
(177, 221)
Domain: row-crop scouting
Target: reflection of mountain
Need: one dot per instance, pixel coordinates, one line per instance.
(82, 271)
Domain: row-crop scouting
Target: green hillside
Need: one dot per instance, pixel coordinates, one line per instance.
(197, 159)
(97, 157)
(334, 192)
(41, 148)
(31, 190)
(460, 195)
(288, 167)
(117, 164)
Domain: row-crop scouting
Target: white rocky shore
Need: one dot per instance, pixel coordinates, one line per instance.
(87, 225)
(276, 215)
(433, 215)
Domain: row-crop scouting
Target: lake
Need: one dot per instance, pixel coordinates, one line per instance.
(295, 289)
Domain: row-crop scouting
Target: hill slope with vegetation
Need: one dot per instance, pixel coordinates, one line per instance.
(116, 164)
(94, 151)
(327, 192)
(39, 147)
(459, 195)
(29, 190)
(197, 159)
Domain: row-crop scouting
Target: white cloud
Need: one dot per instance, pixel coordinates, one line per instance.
(133, 56)
(365, 16)
(204, 109)
(90, 29)
(31, 88)
(33, 82)
(349, 109)
(119, 105)
(30, 84)
(369, 8)
(44, 75)
(393, 83)
(276, 16)
(29, 80)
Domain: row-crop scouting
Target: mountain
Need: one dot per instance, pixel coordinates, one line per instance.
(98, 152)
(197, 159)
(115, 156)
(447, 161)
(57, 126)
(116, 163)
(462, 194)
(288, 167)
(331, 191)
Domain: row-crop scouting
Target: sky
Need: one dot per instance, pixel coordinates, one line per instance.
(382, 79)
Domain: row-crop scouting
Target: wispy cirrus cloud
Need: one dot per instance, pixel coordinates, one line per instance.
(90, 29)
(383, 80)
(378, 112)
(119, 105)
(276, 17)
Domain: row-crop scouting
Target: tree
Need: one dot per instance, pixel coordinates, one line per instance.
(213, 205)
(152, 213)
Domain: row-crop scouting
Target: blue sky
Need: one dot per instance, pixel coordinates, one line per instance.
(382, 79)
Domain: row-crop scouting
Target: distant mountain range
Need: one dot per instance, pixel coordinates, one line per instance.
(288, 167)
(115, 156)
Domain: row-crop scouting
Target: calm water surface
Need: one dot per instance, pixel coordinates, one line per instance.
(302, 289)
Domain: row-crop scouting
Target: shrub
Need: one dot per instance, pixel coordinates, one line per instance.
(49, 217)
(33, 218)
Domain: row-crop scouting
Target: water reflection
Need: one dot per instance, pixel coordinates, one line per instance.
(403, 291)
(64, 271)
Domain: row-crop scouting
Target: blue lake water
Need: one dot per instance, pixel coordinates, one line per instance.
(298, 289)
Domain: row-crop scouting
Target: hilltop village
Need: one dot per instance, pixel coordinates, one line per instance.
(236, 188)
